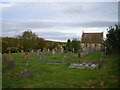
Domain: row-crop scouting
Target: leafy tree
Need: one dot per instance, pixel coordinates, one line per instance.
(27, 39)
(4, 46)
(75, 45)
(69, 45)
(113, 39)
(40, 43)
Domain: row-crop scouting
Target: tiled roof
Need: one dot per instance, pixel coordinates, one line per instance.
(92, 38)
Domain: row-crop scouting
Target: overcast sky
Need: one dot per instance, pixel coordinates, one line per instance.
(57, 21)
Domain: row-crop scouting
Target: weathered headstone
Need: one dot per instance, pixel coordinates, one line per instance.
(71, 56)
(48, 52)
(56, 49)
(62, 51)
(33, 53)
(42, 58)
(8, 59)
(9, 51)
(65, 60)
(22, 53)
(73, 50)
(25, 73)
(54, 54)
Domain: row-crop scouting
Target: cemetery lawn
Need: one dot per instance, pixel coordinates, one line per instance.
(61, 76)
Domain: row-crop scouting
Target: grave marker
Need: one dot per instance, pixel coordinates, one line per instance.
(65, 60)
(8, 59)
(71, 56)
(42, 58)
(54, 54)
(25, 73)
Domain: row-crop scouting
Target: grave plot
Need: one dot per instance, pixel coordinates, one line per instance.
(88, 64)
(85, 64)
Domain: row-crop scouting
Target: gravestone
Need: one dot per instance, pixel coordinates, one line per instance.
(62, 51)
(56, 49)
(65, 60)
(71, 56)
(25, 73)
(32, 52)
(54, 54)
(42, 58)
(9, 51)
(8, 59)
(22, 53)
(73, 50)
(48, 52)
(38, 52)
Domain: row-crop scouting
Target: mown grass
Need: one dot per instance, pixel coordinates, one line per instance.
(61, 76)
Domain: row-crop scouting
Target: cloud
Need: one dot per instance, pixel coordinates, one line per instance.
(73, 9)
(95, 24)
(57, 35)
(6, 4)
(20, 26)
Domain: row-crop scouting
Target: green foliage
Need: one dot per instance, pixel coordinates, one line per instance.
(113, 39)
(4, 46)
(69, 45)
(74, 44)
(28, 38)
(61, 76)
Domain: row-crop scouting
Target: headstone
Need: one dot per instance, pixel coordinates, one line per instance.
(26, 73)
(71, 56)
(65, 60)
(42, 58)
(9, 52)
(48, 52)
(56, 49)
(33, 53)
(8, 59)
(62, 51)
(54, 54)
(38, 51)
(22, 53)
(73, 50)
